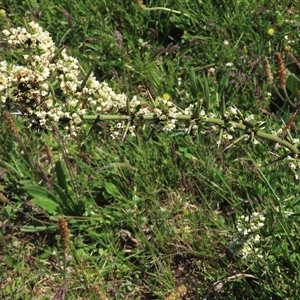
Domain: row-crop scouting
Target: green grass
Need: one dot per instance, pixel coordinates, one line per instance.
(157, 213)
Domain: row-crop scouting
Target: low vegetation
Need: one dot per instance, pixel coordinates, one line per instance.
(149, 150)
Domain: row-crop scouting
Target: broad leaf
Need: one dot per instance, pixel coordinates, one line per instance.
(43, 199)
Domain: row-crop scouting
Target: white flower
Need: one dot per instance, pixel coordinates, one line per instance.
(249, 118)
(6, 32)
(157, 111)
(233, 110)
(120, 125)
(211, 71)
(256, 238)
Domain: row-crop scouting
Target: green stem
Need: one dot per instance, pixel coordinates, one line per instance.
(56, 55)
(258, 133)
(216, 121)
(64, 265)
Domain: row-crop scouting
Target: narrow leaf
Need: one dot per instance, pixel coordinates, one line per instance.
(60, 175)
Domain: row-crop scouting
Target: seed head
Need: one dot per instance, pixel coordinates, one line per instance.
(280, 68)
(267, 70)
(64, 233)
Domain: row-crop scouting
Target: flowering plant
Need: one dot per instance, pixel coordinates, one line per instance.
(246, 241)
(49, 85)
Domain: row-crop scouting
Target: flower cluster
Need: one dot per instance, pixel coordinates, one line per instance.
(246, 241)
(48, 85)
(166, 111)
(18, 83)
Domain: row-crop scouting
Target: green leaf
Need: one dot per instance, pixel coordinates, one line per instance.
(206, 94)
(60, 175)
(61, 194)
(292, 83)
(43, 199)
(185, 152)
(46, 254)
(17, 167)
(112, 189)
(196, 85)
(31, 228)
(68, 203)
